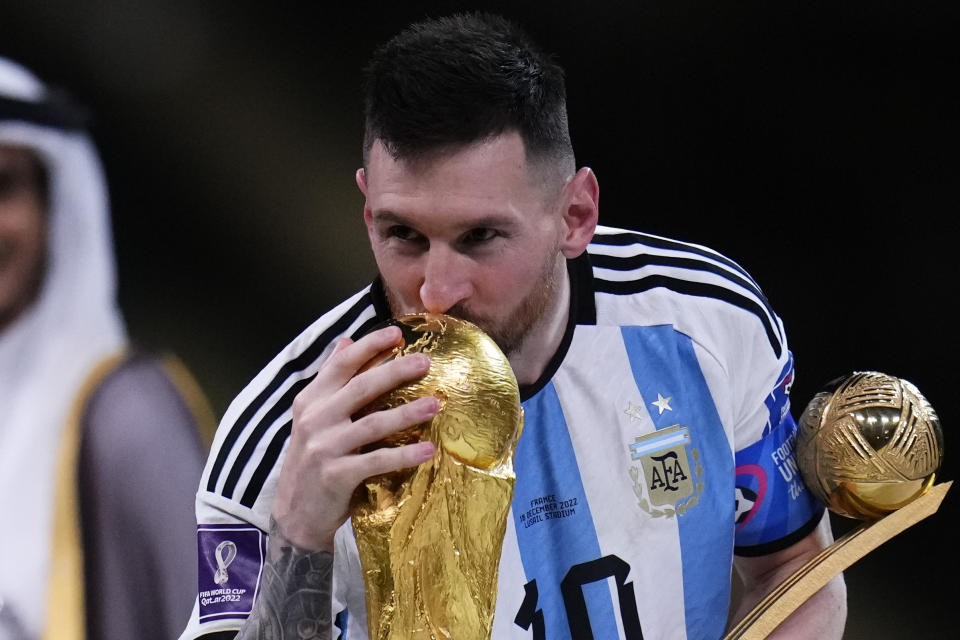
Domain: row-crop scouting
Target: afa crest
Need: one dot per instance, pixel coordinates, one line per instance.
(664, 480)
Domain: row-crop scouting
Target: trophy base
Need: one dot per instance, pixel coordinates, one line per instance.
(795, 590)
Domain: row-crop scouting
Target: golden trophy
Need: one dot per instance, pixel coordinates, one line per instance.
(430, 537)
(869, 447)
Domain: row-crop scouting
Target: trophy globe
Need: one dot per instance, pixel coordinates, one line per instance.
(869, 444)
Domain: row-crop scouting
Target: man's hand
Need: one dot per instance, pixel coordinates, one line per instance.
(322, 465)
(320, 472)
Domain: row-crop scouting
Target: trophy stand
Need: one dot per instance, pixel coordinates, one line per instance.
(795, 590)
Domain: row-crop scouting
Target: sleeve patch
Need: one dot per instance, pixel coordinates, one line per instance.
(771, 500)
(231, 559)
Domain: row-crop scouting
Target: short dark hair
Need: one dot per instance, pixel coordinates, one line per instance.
(461, 79)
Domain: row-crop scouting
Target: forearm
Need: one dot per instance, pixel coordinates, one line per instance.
(294, 599)
(822, 616)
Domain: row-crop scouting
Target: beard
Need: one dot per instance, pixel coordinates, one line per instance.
(511, 331)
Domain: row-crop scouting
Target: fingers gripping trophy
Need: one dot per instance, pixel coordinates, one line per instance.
(430, 538)
(869, 447)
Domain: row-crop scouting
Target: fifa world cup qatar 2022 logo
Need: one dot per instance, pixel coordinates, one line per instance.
(231, 563)
(225, 553)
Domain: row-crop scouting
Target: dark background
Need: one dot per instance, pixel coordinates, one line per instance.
(813, 142)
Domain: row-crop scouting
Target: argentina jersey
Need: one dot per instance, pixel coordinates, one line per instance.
(622, 509)
(658, 444)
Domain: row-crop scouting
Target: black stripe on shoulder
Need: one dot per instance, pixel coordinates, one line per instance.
(219, 635)
(782, 543)
(699, 289)
(630, 263)
(246, 452)
(366, 327)
(269, 461)
(296, 365)
(632, 237)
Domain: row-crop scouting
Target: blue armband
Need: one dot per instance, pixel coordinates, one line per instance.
(774, 508)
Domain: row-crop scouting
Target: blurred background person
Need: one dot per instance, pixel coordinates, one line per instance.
(100, 451)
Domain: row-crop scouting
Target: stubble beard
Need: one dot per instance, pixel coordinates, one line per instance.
(510, 332)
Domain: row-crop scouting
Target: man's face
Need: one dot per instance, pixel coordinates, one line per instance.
(22, 232)
(472, 232)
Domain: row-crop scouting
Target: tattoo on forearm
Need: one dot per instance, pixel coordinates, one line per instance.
(294, 600)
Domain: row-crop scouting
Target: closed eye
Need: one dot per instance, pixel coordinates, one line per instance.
(478, 236)
(404, 234)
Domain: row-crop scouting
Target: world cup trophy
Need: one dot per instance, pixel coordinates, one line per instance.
(869, 447)
(430, 538)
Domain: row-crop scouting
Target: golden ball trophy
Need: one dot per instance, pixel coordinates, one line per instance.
(430, 538)
(869, 448)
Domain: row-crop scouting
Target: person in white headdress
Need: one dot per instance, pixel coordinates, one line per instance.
(100, 451)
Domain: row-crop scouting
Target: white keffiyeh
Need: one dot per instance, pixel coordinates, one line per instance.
(50, 349)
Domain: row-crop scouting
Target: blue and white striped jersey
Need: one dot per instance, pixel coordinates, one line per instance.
(658, 443)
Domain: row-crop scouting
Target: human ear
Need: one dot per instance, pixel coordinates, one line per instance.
(581, 207)
(361, 178)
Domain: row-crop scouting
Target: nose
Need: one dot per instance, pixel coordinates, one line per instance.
(445, 280)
